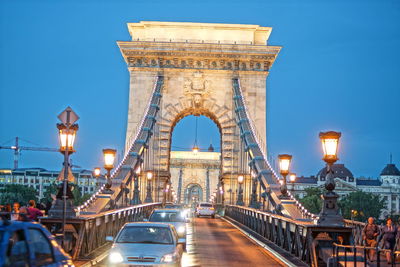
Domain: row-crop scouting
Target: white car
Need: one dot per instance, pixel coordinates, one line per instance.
(205, 209)
(145, 243)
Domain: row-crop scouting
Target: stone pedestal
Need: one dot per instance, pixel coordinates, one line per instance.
(57, 208)
(330, 215)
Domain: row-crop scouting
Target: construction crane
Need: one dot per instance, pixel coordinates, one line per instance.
(17, 150)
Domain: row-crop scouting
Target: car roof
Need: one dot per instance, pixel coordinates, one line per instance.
(167, 210)
(205, 203)
(17, 224)
(149, 224)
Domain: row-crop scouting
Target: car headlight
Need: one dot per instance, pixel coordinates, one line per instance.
(115, 257)
(169, 258)
(181, 229)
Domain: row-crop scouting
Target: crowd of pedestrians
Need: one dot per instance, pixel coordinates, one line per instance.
(25, 213)
(373, 235)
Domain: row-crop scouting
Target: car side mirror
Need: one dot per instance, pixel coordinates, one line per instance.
(109, 238)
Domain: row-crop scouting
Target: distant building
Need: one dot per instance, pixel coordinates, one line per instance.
(40, 179)
(387, 185)
(195, 175)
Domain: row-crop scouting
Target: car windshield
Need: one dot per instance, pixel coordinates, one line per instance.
(206, 205)
(146, 235)
(174, 216)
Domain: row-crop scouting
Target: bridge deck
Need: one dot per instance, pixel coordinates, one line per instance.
(214, 242)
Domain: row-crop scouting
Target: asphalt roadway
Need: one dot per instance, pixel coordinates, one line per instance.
(214, 242)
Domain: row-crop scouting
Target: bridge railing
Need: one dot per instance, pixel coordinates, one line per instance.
(87, 233)
(291, 235)
(357, 230)
(123, 173)
(269, 179)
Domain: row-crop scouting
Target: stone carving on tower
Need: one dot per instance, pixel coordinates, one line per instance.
(197, 89)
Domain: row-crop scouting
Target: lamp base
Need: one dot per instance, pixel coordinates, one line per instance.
(330, 215)
(56, 210)
(107, 191)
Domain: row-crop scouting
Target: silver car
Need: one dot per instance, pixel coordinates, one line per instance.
(205, 209)
(146, 244)
(176, 217)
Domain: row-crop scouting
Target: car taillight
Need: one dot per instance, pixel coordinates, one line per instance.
(211, 208)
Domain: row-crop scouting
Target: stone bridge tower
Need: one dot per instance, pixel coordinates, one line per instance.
(198, 61)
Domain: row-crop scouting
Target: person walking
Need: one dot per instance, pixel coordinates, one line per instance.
(389, 234)
(33, 212)
(15, 212)
(370, 234)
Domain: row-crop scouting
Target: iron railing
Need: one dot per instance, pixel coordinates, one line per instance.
(353, 255)
(292, 236)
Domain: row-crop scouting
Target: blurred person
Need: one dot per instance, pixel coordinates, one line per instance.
(15, 212)
(23, 214)
(389, 234)
(33, 212)
(370, 234)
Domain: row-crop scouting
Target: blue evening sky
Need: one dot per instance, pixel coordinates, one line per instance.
(338, 70)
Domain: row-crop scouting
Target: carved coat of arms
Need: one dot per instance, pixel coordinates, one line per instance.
(197, 89)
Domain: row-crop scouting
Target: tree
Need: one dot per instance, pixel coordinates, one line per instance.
(312, 201)
(11, 193)
(79, 199)
(361, 205)
(50, 190)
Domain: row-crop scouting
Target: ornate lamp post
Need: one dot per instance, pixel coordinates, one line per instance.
(292, 179)
(96, 174)
(109, 158)
(329, 215)
(195, 148)
(67, 136)
(63, 206)
(136, 191)
(240, 201)
(149, 198)
(253, 201)
(284, 164)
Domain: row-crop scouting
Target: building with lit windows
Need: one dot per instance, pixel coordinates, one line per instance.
(387, 185)
(40, 179)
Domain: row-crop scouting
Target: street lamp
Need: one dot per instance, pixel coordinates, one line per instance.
(109, 158)
(253, 200)
(136, 191)
(195, 148)
(240, 201)
(149, 176)
(292, 179)
(284, 164)
(67, 137)
(97, 172)
(330, 212)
